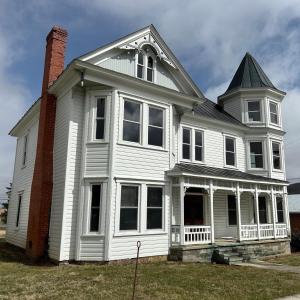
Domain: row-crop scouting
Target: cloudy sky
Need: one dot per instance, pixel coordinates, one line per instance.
(209, 37)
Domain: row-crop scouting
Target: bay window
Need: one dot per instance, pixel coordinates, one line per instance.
(254, 113)
(273, 113)
(156, 126)
(132, 121)
(276, 155)
(230, 151)
(256, 155)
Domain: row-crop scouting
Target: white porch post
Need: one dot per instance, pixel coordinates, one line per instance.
(286, 214)
(257, 212)
(273, 211)
(211, 202)
(181, 182)
(238, 206)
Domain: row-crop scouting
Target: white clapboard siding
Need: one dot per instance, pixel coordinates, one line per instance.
(96, 163)
(234, 108)
(60, 153)
(22, 180)
(92, 248)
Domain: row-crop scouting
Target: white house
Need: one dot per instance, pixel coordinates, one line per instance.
(139, 154)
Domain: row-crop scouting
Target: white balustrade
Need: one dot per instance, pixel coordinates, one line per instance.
(249, 232)
(192, 235)
(281, 230)
(266, 231)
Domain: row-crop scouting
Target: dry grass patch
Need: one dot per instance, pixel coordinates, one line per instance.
(290, 260)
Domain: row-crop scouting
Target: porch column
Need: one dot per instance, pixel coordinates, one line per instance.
(257, 212)
(238, 206)
(181, 194)
(211, 204)
(286, 214)
(273, 199)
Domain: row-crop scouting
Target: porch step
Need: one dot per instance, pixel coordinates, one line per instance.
(221, 257)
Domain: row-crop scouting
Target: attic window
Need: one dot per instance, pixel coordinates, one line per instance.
(140, 66)
(145, 65)
(150, 69)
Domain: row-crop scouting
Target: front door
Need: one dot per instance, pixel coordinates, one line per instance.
(193, 210)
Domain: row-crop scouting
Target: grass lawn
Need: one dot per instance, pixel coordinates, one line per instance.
(291, 260)
(19, 280)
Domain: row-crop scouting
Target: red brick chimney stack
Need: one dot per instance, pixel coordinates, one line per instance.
(42, 182)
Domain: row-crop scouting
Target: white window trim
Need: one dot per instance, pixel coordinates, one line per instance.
(235, 151)
(272, 156)
(278, 114)
(145, 65)
(247, 112)
(263, 154)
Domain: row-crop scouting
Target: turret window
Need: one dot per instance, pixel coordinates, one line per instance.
(273, 113)
(254, 114)
(256, 155)
(276, 155)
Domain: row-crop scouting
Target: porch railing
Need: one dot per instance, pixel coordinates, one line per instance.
(192, 235)
(281, 230)
(266, 231)
(249, 232)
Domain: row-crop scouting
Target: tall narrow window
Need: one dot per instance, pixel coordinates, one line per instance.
(198, 145)
(100, 112)
(231, 204)
(129, 207)
(186, 143)
(131, 122)
(156, 126)
(230, 151)
(280, 217)
(19, 209)
(154, 207)
(140, 66)
(150, 69)
(256, 155)
(273, 113)
(95, 208)
(24, 159)
(262, 206)
(276, 155)
(254, 111)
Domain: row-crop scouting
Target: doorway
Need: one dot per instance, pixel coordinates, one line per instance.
(193, 209)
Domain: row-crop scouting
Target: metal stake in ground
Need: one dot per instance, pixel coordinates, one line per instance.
(138, 244)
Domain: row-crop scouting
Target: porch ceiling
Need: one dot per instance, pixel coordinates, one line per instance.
(224, 174)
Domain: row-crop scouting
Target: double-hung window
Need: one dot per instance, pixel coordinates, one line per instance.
(198, 145)
(230, 151)
(256, 155)
(132, 121)
(20, 196)
(280, 212)
(129, 207)
(140, 66)
(150, 69)
(156, 126)
(276, 155)
(273, 113)
(100, 119)
(186, 143)
(25, 146)
(154, 207)
(231, 204)
(254, 114)
(95, 208)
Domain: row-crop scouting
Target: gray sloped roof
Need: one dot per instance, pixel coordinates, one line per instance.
(249, 75)
(224, 173)
(294, 189)
(215, 111)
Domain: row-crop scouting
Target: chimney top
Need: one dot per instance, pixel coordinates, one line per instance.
(58, 33)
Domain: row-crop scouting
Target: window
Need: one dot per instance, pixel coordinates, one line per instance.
(262, 207)
(273, 113)
(100, 112)
(198, 145)
(155, 127)
(256, 155)
(254, 111)
(279, 205)
(231, 204)
(25, 150)
(19, 209)
(129, 207)
(154, 207)
(276, 155)
(230, 151)
(150, 69)
(131, 122)
(186, 143)
(95, 208)
(140, 66)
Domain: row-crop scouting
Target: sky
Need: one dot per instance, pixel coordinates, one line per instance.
(209, 38)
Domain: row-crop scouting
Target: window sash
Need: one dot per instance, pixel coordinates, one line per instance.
(100, 119)
(273, 112)
(186, 145)
(254, 115)
(128, 121)
(152, 210)
(25, 150)
(230, 153)
(95, 209)
(276, 157)
(155, 128)
(19, 210)
(256, 158)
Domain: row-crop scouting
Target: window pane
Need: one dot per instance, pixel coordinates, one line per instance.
(150, 62)
(198, 153)
(100, 107)
(274, 119)
(154, 197)
(229, 144)
(257, 161)
(155, 117)
(279, 203)
(96, 192)
(231, 202)
(276, 148)
(198, 138)
(131, 132)
(253, 106)
(155, 136)
(140, 71)
(132, 111)
(256, 147)
(230, 159)
(186, 136)
(128, 219)
(276, 162)
(99, 129)
(154, 218)
(94, 224)
(141, 58)
(262, 210)
(186, 151)
(273, 108)
(149, 74)
(129, 196)
(254, 116)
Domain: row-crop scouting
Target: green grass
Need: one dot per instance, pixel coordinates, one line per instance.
(290, 260)
(20, 280)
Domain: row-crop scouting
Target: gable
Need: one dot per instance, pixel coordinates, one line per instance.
(121, 56)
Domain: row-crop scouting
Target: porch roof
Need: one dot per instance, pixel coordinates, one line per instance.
(224, 174)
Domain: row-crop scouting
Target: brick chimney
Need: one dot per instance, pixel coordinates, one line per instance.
(42, 181)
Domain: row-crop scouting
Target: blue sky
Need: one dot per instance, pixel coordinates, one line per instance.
(209, 38)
